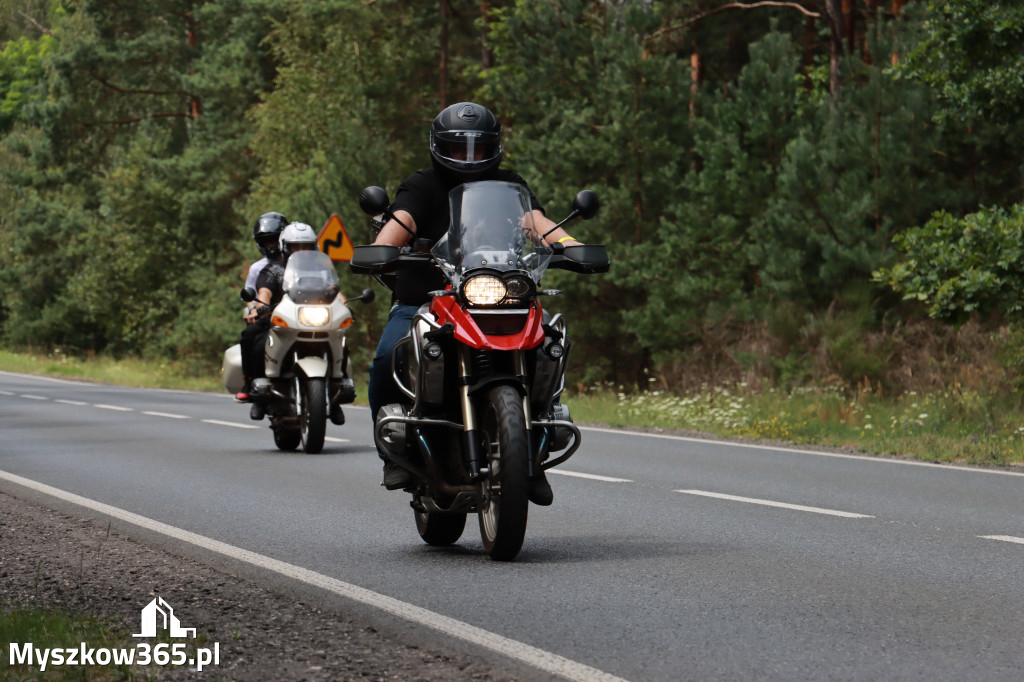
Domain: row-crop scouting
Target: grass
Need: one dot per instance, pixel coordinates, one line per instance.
(55, 628)
(956, 425)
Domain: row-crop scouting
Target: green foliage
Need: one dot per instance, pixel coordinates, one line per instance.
(21, 72)
(971, 56)
(958, 267)
(141, 140)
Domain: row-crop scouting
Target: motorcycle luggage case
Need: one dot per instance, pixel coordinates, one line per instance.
(234, 379)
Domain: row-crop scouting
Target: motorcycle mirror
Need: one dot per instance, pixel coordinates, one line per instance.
(367, 296)
(374, 200)
(586, 204)
(247, 294)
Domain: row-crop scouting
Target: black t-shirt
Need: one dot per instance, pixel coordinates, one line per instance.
(424, 194)
(272, 277)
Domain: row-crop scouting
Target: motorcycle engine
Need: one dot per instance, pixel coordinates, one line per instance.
(393, 433)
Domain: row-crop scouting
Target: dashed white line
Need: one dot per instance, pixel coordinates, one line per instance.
(332, 439)
(552, 664)
(8, 393)
(771, 503)
(168, 415)
(232, 424)
(116, 408)
(31, 396)
(1003, 538)
(64, 401)
(592, 477)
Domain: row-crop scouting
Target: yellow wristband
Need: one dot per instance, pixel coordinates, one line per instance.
(564, 238)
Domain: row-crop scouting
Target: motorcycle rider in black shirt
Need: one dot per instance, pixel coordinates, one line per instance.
(465, 146)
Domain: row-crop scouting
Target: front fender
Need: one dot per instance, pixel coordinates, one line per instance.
(312, 366)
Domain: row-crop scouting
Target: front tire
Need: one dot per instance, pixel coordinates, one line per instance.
(440, 530)
(505, 496)
(313, 415)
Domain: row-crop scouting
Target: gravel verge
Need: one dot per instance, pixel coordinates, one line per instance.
(53, 558)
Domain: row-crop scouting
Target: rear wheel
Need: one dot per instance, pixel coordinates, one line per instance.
(438, 529)
(505, 496)
(313, 414)
(287, 439)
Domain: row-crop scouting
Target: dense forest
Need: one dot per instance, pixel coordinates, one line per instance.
(792, 191)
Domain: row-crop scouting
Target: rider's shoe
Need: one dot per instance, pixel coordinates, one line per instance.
(243, 395)
(257, 411)
(396, 477)
(540, 490)
(337, 414)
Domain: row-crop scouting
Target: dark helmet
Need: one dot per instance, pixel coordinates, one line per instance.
(466, 138)
(266, 231)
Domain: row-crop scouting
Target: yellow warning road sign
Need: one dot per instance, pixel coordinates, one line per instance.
(334, 241)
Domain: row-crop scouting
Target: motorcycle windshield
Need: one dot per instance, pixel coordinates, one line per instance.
(310, 277)
(491, 227)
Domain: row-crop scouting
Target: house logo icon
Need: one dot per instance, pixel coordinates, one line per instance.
(158, 615)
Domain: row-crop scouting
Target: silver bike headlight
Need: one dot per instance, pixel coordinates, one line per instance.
(484, 290)
(314, 316)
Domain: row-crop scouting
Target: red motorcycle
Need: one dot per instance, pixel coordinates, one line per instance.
(483, 366)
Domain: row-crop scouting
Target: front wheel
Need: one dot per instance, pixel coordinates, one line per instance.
(313, 414)
(440, 530)
(505, 497)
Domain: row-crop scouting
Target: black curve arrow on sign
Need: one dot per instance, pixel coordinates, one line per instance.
(336, 243)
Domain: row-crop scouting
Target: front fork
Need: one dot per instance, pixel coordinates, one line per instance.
(470, 434)
(471, 441)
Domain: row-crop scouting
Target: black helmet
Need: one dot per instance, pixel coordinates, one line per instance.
(466, 138)
(266, 231)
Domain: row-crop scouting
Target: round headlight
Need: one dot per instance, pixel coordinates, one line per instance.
(317, 316)
(517, 287)
(484, 290)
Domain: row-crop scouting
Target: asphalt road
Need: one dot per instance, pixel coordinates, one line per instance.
(661, 559)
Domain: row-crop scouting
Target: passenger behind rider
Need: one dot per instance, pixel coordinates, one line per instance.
(465, 146)
(269, 288)
(266, 232)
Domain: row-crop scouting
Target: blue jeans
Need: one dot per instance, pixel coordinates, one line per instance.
(382, 390)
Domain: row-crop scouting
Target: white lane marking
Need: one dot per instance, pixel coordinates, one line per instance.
(232, 424)
(8, 393)
(43, 378)
(63, 401)
(818, 453)
(770, 503)
(30, 396)
(593, 477)
(166, 414)
(116, 408)
(1003, 538)
(538, 658)
(332, 439)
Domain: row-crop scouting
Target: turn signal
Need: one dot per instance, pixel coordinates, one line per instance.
(347, 322)
(278, 322)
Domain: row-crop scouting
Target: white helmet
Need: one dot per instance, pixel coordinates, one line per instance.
(297, 237)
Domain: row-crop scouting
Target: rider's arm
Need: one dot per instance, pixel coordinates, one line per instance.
(543, 224)
(393, 233)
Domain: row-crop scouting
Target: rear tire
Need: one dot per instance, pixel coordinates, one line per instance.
(313, 417)
(287, 439)
(505, 494)
(440, 530)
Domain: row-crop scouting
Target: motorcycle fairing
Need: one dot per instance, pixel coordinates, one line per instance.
(467, 331)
